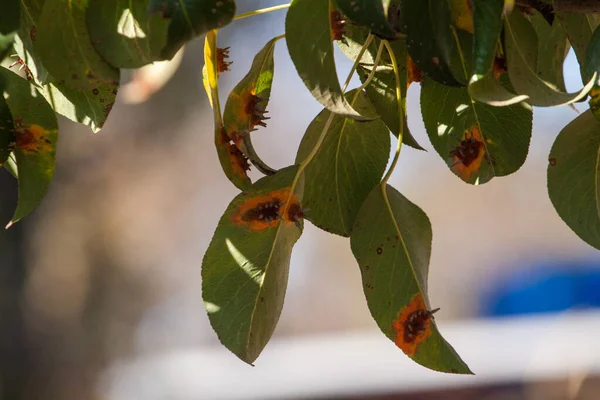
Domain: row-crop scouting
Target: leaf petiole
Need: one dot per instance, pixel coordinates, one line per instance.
(400, 114)
(261, 11)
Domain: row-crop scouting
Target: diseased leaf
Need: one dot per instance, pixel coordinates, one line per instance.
(87, 106)
(234, 163)
(36, 133)
(553, 47)
(124, 34)
(65, 48)
(348, 165)
(477, 141)
(382, 89)
(483, 84)
(521, 55)
(573, 180)
(190, 18)
(247, 103)
(462, 14)
(246, 266)
(429, 38)
(310, 44)
(372, 14)
(391, 241)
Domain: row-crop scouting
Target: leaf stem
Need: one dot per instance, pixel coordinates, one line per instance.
(261, 11)
(400, 114)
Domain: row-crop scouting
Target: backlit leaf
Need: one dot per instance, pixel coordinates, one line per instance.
(522, 58)
(477, 141)
(234, 163)
(573, 180)
(124, 34)
(247, 103)
(391, 241)
(189, 18)
(87, 106)
(36, 133)
(65, 48)
(309, 40)
(246, 266)
(348, 165)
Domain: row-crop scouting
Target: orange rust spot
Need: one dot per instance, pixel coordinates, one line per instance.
(414, 73)
(412, 326)
(468, 154)
(32, 138)
(266, 211)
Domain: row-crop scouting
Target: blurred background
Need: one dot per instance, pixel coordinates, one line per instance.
(100, 289)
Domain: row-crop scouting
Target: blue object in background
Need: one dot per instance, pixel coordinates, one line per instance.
(549, 287)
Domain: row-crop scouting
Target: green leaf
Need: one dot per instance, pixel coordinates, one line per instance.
(573, 180)
(497, 137)
(590, 67)
(521, 55)
(11, 166)
(579, 29)
(391, 242)
(382, 89)
(36, 131)
(369, 13)
(234, 163)
(553, 47)
(348, 165)
(247, 102)
(84, 105)
(310, 43)
(65, 48)
(429, 38)
(483, 85)
(7, 130)
(24, 42)
(9, 16)
(190, 18)
(246, 266)
(124, 34)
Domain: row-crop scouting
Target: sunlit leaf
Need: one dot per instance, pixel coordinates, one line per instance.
(124, 33)
(246, 266)
(348, 165)
(522, 58)
(573, 180)
(309, 40)
(429, 38)
(190, 18)
(247, 103)
(391, 241)
(65, 48)
(372, 14)
(36, 133)
(30, 15)
(477, 141)
(233, 161)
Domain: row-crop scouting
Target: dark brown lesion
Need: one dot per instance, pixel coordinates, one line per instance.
(22, 66)
(467, 151)
(222, 56)
(295, 213)
(238, 159)
(417, 323)
(256, 108)
(266, 211)
(338, 26)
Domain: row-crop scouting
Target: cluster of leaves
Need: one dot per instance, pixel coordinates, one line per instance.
(481, 64)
